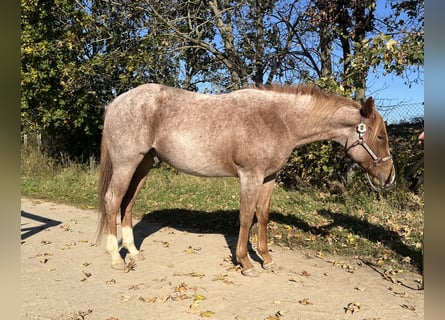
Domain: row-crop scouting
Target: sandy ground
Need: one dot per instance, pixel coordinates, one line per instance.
(189, 275)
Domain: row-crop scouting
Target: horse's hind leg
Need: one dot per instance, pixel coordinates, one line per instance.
(262, 214)
(137, 183)
(120, 180)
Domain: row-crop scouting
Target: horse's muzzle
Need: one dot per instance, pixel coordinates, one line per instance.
(382, 182)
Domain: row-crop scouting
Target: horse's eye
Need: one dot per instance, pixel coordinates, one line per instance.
(381, 137)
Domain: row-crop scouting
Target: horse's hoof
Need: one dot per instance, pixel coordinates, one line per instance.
(137, 257)
(118, 265)
(269, 265)
(252, 272)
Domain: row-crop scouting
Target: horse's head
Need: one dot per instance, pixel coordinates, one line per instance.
(368, 146)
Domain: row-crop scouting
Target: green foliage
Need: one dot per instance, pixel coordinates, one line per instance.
(316, 164)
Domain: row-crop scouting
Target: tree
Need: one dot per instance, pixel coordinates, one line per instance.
(78, 55)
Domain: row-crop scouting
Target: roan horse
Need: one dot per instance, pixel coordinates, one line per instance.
(249, 133)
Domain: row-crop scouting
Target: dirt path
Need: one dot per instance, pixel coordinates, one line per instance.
(190, 275)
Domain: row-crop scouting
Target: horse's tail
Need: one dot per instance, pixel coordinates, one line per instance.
(105, 173)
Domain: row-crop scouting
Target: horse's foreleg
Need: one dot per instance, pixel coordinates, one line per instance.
(262, 214)
(250, 189)
(137, 183)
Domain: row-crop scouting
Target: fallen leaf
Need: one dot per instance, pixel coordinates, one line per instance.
(352, 307)
(280, 313)
(304, 273)
(207, 314)
(405, 306)
(191, 250)
(131, 265)
(136, 286)
(151, 299)
(198, 297)
(197, 275)
(305, 301)
(125, 297)
(296, 280)
(398, 293)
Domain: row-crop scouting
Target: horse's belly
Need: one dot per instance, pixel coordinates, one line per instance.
(196, 159)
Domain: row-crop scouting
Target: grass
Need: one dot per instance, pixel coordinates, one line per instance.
(386, 231)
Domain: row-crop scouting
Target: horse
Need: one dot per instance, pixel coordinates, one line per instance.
(248, 133)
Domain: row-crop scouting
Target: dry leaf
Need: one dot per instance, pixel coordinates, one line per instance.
(305, 301)
(131, 265)
(398, 293)
(280, 313)
(151, 300)
(191, 250)
(136, 286)
(197, 275)
(352, 307)
(207, 314)
(125, 297)
(296, 280)
(405, 306)
(198, 297)
(305, 273)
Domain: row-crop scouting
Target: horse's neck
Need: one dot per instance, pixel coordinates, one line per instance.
(333, 124)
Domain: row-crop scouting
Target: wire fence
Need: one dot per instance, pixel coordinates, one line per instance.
(396, 111)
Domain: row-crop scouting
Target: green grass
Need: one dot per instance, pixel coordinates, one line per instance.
(383, 230)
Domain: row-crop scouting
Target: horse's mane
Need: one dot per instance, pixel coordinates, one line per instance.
(325, 103)
(309, 89)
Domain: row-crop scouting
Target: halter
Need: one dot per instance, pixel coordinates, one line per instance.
(377, 161)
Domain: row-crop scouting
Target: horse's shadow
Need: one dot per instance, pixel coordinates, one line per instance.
(223, 222)
(227, 223)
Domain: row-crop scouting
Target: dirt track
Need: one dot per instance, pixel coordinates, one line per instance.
(188, 275)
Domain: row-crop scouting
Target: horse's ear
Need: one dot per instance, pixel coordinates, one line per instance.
(368, 108)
